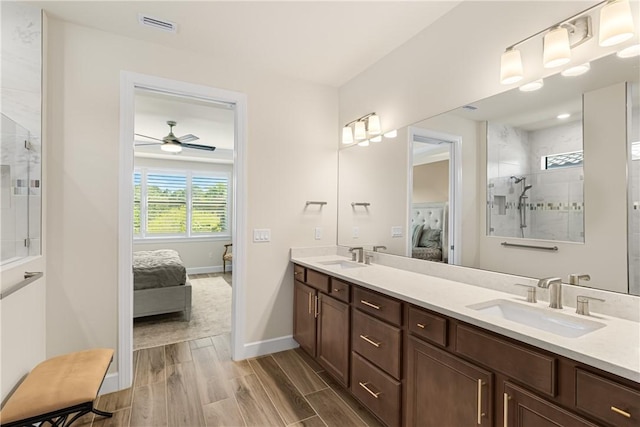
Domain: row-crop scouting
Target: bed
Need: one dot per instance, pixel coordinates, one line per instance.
(160, 284)
(430, 231)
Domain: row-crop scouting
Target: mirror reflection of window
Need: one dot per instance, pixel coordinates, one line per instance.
(535, 176)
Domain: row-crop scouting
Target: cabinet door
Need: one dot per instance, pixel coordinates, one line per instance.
(333, 337)
(443, 390)
(524, 409)
(304, 318)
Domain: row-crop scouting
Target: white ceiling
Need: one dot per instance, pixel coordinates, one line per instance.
(326, 42)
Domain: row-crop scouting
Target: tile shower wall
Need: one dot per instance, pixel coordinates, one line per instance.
(554, 204)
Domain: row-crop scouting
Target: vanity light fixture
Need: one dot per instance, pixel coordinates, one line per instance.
(577, 70)
(531, 86)
(616, 26)
(563, 116)
(367, 125)
(391, 134)
(629, 52)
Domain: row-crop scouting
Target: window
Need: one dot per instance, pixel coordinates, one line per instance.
(564, 160)
(180, 204)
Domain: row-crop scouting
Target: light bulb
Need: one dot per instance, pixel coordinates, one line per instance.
(360, 132)
(556, 49)
(510, 67)
(374, 124)
(171, 147)
(576, 70)
(531, 86)
(347, 135)
(629, 52)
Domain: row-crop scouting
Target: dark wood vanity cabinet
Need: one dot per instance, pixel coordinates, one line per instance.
(414, 367)
(320, 321)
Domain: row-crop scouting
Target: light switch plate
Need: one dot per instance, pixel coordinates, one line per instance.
(396, 231)
(355, 233)
(261, 235)
(318, 234)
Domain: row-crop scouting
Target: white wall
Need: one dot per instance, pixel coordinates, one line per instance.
(291, 159)
(201, 255)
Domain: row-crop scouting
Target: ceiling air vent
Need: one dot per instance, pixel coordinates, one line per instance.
(159, 24)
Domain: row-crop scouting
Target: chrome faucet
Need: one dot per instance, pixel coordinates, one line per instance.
(357, 256)
(574, 279)
(554, 284)
(375, 248)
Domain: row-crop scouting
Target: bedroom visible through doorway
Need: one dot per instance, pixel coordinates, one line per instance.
(182, 217)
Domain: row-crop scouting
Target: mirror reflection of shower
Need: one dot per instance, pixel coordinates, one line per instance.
(522, 201)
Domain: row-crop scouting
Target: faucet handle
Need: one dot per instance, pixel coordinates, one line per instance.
(531, 292)
(367, 258)
(574, 279)
(582, 304)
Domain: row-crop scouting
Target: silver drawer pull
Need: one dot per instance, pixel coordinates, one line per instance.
(421, 325)
(480, 413)
(367, 339)
(364, 386)
(367, 303)
(621, 412)
(505, 410)
(337, 290)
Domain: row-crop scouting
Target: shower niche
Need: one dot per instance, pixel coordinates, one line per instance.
(535, 178)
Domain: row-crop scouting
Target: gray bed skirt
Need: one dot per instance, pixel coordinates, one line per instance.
(149, 302)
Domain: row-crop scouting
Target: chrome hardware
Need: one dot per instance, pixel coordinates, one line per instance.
(317, 308)
(365, 204)
(310, 297)
(315, 203)
(554, 284)
(582, 304)
(420, 325)
(621, 412)
(574, 279)
(370, 341)
(29, 277)
(367, 303)
(531, 292)
(375, 248)
(505, 410)
(337, 290)
(480, 413)
(518, 245)
(359, 256)
(367, 258)
(364, 386)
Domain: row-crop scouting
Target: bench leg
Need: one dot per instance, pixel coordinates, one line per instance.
(103, 413)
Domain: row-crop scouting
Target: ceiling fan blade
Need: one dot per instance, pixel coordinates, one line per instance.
(150, 137)
(146, 143)
(198, 147)
(188, 138)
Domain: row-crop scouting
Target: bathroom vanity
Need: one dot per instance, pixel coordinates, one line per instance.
(419, 350)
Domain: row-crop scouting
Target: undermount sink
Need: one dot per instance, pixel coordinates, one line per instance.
(342, 264)
(537, 317)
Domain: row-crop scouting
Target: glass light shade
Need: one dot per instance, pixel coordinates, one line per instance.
(360, 132)
(531, 86)
(376, 139)
(171, 147)
(391, 134)
(364, 143)
(347, 135)
(629, 52)
(374, 124)
(556, 48)
(563, 116)
(577, 70)
(510, 67)
(616, 23)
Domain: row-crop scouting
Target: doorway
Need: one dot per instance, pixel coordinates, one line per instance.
(435, 179)
(130, 83)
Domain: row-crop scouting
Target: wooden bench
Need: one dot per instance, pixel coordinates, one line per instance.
(59, 391)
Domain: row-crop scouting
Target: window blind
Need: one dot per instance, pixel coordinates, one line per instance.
(209, 204)
(166, 204)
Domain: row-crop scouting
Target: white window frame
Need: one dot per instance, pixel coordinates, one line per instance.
(187, 236)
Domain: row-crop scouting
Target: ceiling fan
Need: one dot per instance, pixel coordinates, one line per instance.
(172, 144)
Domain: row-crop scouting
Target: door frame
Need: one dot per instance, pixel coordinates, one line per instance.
(129, 81)
(455, 187)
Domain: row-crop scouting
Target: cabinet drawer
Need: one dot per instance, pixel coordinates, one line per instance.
(533, 369)
(318, 280)
(339, 290)
(379, 305)
(376, 390)
(428, 326)
(607, 400)
(299, 273)
(378, 341)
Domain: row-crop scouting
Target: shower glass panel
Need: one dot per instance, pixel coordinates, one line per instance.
(535, 180)
(20, 195)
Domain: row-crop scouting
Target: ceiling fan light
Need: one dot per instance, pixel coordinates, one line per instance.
(576, 70)
(347, 135)
(171, 147)
(629, 52)
(360, 131)
(532, 86)
(374, 124)
(510, 67)
(556, 48)
(616, 23)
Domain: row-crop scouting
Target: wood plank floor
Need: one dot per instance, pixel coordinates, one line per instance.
(196, 383)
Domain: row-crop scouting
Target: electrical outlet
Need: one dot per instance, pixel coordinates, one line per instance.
(261, 235)
(396, 231)
(318, 233)
(355, 232)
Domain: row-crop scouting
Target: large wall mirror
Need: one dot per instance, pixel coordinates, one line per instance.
(20, 143)
(537, 184)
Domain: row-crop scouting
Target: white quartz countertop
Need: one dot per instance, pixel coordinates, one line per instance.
(614, 348)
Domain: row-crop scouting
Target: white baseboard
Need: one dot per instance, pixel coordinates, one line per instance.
(274, 345)
(206, 270)
(110, 384)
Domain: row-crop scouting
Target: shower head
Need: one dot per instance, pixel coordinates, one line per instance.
(517, 179)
